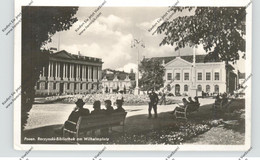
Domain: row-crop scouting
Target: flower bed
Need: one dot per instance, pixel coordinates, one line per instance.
(171, 135)
(129, 99)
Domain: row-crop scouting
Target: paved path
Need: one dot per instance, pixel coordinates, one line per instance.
(45, 119)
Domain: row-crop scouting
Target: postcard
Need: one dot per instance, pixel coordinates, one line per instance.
(133, 75)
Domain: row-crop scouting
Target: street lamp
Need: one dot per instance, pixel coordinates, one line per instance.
(136, 43)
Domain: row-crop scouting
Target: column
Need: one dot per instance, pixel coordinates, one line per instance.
(72, 71)
(83, 72)
(52, 69)
(96, 73)
(89, 73)
(49, 66)
(56, 70)
(63, 70)
(76, 75)
(79, 70)
(43, 71)
(67, 70)
(58, 66)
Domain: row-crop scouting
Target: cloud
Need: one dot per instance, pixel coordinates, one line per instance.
(113, 21)
(128, 67)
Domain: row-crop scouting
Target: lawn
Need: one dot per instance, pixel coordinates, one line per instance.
(203, 127)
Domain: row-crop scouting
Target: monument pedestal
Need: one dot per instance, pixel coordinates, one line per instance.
(193, 92)
(137, 91)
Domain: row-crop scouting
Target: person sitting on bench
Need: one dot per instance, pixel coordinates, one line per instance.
(78, 111)
(119, 104)
(197, 100)
(109, 108)
(181, 108)
(190, 101)
(97, 108)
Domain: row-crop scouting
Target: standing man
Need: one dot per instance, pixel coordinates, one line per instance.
(163, 98)
(153, 103)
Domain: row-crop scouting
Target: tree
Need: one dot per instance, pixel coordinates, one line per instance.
(39, 24)
(221, 31)
(152, 73)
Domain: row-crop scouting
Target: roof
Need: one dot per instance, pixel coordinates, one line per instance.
(121, 75)
(65, 55)
(189, 58)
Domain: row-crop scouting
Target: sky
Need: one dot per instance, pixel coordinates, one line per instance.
(109, 37)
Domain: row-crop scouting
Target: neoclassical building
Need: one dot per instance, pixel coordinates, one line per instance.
(183, 76)
(69, 74)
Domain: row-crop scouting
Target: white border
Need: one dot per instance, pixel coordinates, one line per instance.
(148, 3)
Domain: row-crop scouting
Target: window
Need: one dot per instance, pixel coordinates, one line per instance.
(216, 89)
(169, 76)
(186, 76)
(54, 86)
(178, 76)
(186, 87)
(199, 88)
(46, 85)
(68, 86)
(207, 88)
(216, 76)
(199, 76)
(208, 76)
(81, 86)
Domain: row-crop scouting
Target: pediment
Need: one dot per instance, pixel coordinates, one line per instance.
(63, 54)
(178, 62)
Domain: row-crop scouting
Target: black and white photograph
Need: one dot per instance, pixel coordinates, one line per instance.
(133, 77)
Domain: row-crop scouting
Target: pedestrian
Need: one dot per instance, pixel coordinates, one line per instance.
(153, 103)
(163, 98)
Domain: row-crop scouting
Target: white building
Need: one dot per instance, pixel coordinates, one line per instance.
(210, 77)
(114, 81)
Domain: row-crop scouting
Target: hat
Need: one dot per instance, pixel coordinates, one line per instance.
(79, 102)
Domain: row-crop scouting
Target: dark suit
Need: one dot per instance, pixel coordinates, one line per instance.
(153, 104)
(97, 112)
(120, 110)
(70, 124)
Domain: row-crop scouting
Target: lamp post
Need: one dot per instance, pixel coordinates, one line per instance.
(136, 43)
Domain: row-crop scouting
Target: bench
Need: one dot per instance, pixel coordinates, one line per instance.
(181, 112)
(95, 122)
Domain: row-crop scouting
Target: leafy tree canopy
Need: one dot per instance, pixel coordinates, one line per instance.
(152, 73)
(221, 31)
(38, 26)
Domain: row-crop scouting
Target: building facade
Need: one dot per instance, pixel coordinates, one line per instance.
(69, 74)
(182, 76)
(114, 81)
